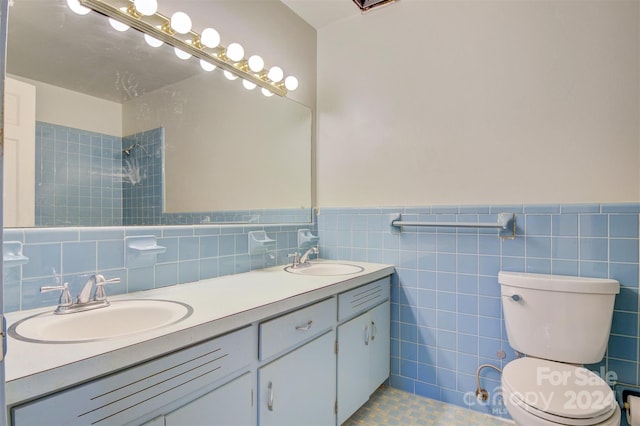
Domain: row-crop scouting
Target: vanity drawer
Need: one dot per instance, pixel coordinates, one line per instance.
(143, 389)
(362, 298)
(286, 331)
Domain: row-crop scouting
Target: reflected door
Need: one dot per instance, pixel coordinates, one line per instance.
(19, 153)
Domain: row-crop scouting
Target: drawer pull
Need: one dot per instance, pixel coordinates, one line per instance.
(270, 396)
(304, 327)
(374, 330)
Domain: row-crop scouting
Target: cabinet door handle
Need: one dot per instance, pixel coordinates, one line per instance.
(270, 396)
(367, 335)
(374, 330)
(304, 327)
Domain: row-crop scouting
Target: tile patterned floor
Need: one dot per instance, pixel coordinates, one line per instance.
(392, 407)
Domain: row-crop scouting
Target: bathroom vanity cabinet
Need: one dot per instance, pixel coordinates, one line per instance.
(314, 363)
(229, 405)
(148, 388)
(363, 346)
(300, 387)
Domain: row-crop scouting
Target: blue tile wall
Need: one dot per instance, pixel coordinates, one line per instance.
(58, 255)
(77, 177)
(446, 308)
(142, 177)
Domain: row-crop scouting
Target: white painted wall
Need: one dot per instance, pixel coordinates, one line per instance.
(64, 107)
(441, 102)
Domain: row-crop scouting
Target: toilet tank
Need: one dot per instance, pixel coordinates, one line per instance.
(557, 317)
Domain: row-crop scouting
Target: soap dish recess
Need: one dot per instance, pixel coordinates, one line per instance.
(259, 242)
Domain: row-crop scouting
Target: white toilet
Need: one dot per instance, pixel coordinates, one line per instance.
(559, 323)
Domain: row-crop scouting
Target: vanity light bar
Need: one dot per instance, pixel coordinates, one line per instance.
(158, 26)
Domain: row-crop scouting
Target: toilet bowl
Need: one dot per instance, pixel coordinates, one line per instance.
(539, 392)
(559, 323)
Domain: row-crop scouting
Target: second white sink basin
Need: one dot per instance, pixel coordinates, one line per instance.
(325, 269)
(121, 318)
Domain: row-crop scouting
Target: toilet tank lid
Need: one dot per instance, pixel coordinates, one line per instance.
(563, 283)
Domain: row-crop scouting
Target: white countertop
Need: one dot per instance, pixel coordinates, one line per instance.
(219, 305)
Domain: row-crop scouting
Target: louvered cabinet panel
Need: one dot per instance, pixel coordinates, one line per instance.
(230, 405)
(363, 298)
(135, 392)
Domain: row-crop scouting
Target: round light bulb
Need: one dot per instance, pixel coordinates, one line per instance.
(152, 41)
(210, 38)
(229, 75)
(180, 22)
(207, 66)
(181, 53)
(76, 7)
(146, 7)
(248, 84)
(267, 92)
(117, 25)
(235, 52)
(291, 83)
(256, 63)
(275, 74)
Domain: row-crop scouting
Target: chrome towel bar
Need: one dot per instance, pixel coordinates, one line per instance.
(506, 223)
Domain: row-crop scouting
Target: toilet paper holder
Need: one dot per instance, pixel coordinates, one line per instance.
(626, 394)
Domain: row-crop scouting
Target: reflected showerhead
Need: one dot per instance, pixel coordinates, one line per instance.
(127, 151)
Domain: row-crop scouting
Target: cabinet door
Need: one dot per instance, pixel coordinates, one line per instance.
(380, 345)
(158, 421)
(300, 387)
(231, 404)
(354, 338)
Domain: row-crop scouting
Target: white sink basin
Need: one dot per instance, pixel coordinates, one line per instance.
(121, 318)
(325, 269)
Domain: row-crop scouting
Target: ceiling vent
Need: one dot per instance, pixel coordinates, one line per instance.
(366, 5)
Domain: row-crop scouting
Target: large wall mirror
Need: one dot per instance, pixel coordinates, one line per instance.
(103, 129)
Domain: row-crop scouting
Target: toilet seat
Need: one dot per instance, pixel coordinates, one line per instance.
(557, 393)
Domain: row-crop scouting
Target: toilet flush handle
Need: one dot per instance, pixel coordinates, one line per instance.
(514, 297)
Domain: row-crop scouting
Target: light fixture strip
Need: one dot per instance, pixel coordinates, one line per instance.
(141, 24)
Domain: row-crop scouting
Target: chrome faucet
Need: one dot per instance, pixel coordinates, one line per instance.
(304, 259)
(83, 301)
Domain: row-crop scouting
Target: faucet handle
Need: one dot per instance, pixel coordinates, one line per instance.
(296, 258)
(65, 296)
(100, 282)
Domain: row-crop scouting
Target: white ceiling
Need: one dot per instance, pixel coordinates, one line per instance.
(319, 13)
